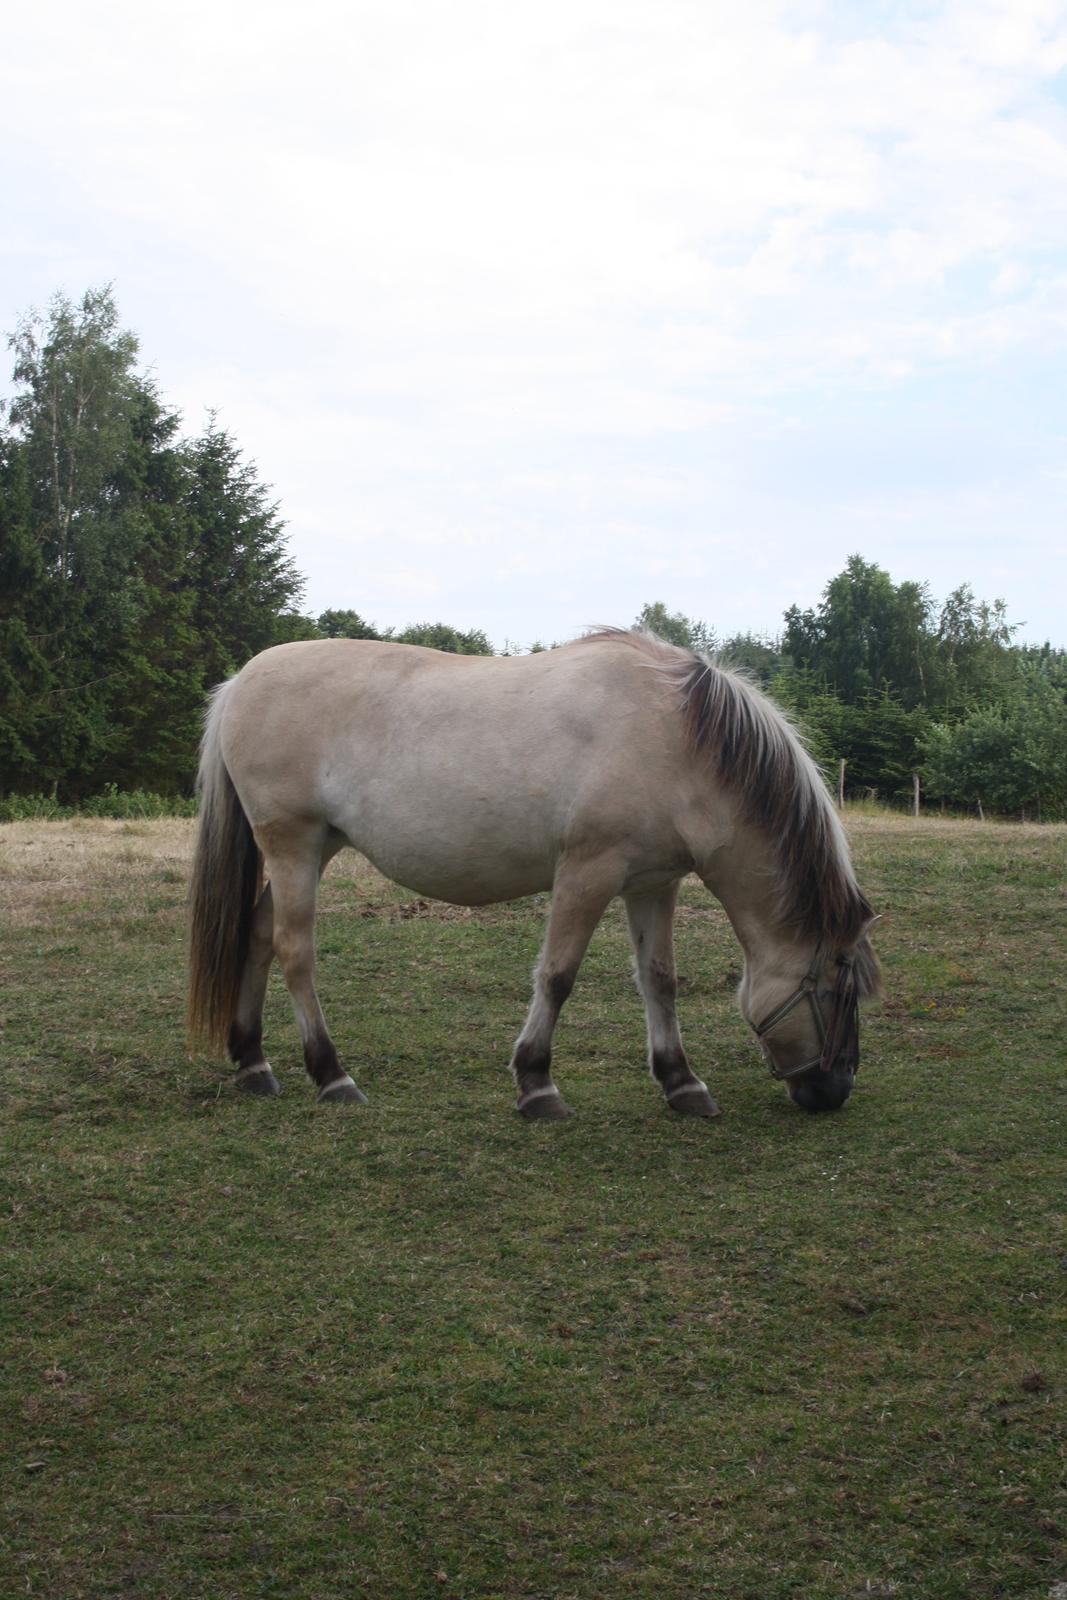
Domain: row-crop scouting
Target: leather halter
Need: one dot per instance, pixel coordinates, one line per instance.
(840, 1039)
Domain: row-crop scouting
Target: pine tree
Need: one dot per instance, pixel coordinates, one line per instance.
(135, 571)
(239, 567)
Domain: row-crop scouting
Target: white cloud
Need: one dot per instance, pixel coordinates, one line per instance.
(424, 257)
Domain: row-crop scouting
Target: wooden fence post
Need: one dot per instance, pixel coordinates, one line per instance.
(915, 795)
(841, 785)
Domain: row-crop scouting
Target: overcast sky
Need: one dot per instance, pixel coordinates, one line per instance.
(533, 313)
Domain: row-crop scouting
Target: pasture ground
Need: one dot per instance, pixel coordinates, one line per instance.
(423, 1349)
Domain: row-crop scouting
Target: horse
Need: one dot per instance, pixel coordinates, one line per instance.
(612, 766)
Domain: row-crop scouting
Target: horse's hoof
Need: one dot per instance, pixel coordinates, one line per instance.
(544, 1105)
(693, 1100)
(342, 1089)
(257, 1080)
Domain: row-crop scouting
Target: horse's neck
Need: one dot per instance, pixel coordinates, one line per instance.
(743, 877)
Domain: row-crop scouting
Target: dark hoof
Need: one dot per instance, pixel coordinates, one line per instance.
(693, 1100)
(542, 1105)
(258, 1080)
(342, 1089)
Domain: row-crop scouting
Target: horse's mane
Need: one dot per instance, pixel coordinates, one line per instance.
(761, 759)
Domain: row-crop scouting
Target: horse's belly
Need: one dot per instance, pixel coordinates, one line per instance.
(465, 888)
(443, 857)
(459, 879)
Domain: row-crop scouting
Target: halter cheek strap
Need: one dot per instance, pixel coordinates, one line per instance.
(841, 1038)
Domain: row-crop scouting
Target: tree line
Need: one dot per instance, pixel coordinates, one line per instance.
(139, 567)
(898, 687)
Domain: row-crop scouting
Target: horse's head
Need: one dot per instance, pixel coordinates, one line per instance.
(809, 1034)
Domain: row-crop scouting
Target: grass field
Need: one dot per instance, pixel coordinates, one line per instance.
(424, 1349)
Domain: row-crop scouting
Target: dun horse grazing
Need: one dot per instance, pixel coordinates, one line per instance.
(612, 766)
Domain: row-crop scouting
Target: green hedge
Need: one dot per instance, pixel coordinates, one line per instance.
(111, 802)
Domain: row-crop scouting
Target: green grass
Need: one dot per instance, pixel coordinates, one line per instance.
(423, 1349)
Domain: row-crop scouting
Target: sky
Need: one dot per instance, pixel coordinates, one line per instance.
(531, 315)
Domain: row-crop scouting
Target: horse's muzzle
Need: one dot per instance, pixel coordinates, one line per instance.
(823, 1091)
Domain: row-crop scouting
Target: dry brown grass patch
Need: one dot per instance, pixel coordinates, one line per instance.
(47, 865)
(861, 822)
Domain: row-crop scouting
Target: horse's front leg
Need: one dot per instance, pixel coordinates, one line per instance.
(651, 919)
(580, 894)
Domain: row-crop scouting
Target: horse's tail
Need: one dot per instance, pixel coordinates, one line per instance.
(227, 877)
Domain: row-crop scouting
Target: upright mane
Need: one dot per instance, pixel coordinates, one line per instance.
(760, 758)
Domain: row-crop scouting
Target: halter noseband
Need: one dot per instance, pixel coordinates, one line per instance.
(841, 1037)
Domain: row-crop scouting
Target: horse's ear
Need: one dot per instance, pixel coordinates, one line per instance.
(864, 917)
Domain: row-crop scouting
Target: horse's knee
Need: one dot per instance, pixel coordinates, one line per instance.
(662, 982)
(558, 986)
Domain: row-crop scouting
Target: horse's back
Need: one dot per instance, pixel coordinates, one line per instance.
(398, 699)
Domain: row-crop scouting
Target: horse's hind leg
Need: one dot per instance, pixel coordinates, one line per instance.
(579, 897)
(246, 1033)
(651, 920)
(293, 860)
